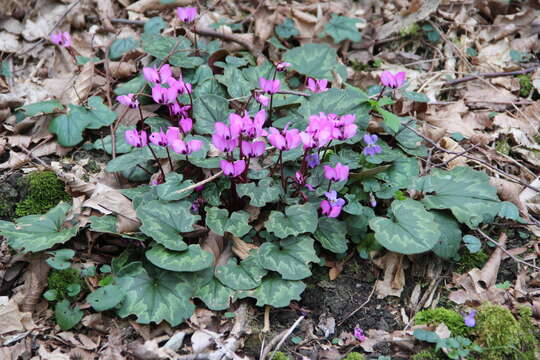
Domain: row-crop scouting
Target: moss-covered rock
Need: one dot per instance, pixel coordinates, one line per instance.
(280, 356)
(60, 280)
(45, 191)
(354, 356)
(525, 85)
(452, 319)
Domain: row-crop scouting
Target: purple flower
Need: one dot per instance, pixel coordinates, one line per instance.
(371, 149)
(253, 149)
(287, 140)
(313, 160)
(180, 86)
(391, 80)
(359, 334)
(346, 127)
(172, 134)
(158, 77)
(186, 14)
(249, 127)
(135, 138)
(163, 95)
(262, 99)
(233, 169)
(317, 86)
(159, 138)
(333, 205)
(299, 178)
(282, 66)
(186, 147)
(269, 86)
(469, 319)
(178, 109)
(128, 100)
(338, 173)
(61, 38)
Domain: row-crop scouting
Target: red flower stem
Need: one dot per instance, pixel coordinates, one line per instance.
(157, 160)
(169, 157)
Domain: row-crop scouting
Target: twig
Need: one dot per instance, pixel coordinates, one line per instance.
(507, 252)
(490, 75)
(200, 183)
(290, 92)
(480, 161)
(227, 37)
(281, 337)
(457, 155)
(109, 101)
(358, 308)
(120, 21)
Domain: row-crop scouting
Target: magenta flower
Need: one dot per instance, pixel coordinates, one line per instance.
(172, 134)
(469, 319)
(262, 99)
(391, 80)
(322, 128)
(252, 128)
(282, 66)
(233, 169)
(317, 86)
(372, 148)
(287, 140)
(359, 334)
(158, 77)
(186, 14)
(225, 145)
(313, 160)
(333, 205)
(163, 95)
(308, 140)
(178, 109)
(269, 86)
(346, 127)
(61, 38)
(338, 173)
(299, 178)
(180, 86)
(128, 100)
(159, 138)
(135, 138)
(186, 147)
(228, 132)
(186, 124)
(253, 149)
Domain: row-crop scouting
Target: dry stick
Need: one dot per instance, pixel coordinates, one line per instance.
(227, 37)
(491, 75)
(457, 155)
(358, 308)
(200, 183)
(282, 336)
(480, 161)
(109, 101)
(500, 246)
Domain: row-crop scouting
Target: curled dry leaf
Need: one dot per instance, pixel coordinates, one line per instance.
(454, 118)
(12, 319)
(108, 200)
(35, 281)
(509, 191)
(122, 69)
(142, 6)
(450, 144)
(83, 84)
(393, 282)
(241, 248)
(218, 246)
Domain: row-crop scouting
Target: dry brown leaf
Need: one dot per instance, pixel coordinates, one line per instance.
(491, 268)
(35, 281)
(15, 161)
(111, 201)
(393, 282)
(122, 69)
(265, 20)
(83, 84)
(531, 198)
(509, 191)
(402, 22)
(145, 5)
(218, 246)
(451, 118)
(241, 248)
(12, 319)
(54, 355)
(105, 11)
(450, 144)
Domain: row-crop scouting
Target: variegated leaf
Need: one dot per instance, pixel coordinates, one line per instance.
(192, 259)
(298, 219)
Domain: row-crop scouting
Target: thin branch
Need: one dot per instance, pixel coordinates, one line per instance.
(500, 246)
(227, 37)
(491, 75)
(281, 337)
(358, 308)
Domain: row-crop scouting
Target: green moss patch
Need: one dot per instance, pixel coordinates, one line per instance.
(452, 319)
(45, 191)
(61, 280)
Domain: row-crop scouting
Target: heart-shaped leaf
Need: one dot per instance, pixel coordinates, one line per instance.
(413, 229)
(290, 258)
(215, 295)
(61, 259)
(172, 188)
(275, 291)
(106, 297)
(266, 191)
(304, 61)
(42, 107)
(331, 233)
(341, 28)
(208, 110)
(66, 316)
(35, 233)
(219, 222)
(448, 244)
(244, 276)
(298, 219)
(121, 46)
(164, 221)
(192, 259)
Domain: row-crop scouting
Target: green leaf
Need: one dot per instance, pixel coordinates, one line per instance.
(472, 243)
(331, 234)
(5, 69)
(341, 28)
(73, 290)
(208, 110)
(298, 219)
(286, 29)
(164, 221)
(132, 86)
(106, 297)
(35, 233)
(290, 258)
(425, 335)
(194, 258)
(448, 244)
(412, 231)
(390, 119)
(50, 295)
(508, 211)
(43, 107)
(315, 60)
(275, 291)
(402, 173)
(127, 161)
(121, 46)
(61, 258)
(219, 222)
(415, 96)
(172, 188)
(68, 129)
(266, 191)
(66, 316)
(244, 276)
(215, 295)
(154, 26)
(121, 147)
(347, 157)
(99, 114)
(154, 295)
(466, 192)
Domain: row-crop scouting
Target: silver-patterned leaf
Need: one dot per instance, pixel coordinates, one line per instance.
(298, 219)
(190, 260)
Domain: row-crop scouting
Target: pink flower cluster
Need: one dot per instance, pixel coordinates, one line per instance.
(172, 137)
(393, 81)
(166, 95)
(324, 128)
(61, 38)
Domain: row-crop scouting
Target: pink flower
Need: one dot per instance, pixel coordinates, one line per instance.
(172, 134)
(186, 147)
(333, 205)
(223, 144)
(317, 86)
(359, 334)
(282, 66)
(61, 38)
(158, 138)
(346, 127)
(186, 14)
(163, 95)
(253, 149)
(228, 132)
(158, 77)
(249, 127)
(269, 86)
(307, 140)
(391, 80)
(300, 179)
(135, 138)
(128, 100)
(338, 173)
(287, 140)
(181, 86)
(178, 109)
(186, 124)
(233, 169)
(262, 99)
